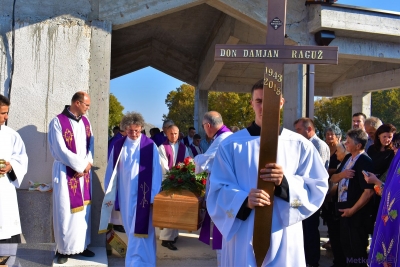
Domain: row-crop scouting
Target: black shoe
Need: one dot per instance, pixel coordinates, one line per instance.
(87, 253)
(176, 239)
(61, 258)
(168, 244)
(119, 228)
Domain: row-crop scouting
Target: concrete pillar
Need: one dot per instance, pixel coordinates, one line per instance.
(294, 92)
(200, 107)
(361, 103)
(99, 87)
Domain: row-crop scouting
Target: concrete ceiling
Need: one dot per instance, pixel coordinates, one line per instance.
(177, 44)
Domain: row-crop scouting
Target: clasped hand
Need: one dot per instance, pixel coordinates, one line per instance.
(258, 197)
(6, 169)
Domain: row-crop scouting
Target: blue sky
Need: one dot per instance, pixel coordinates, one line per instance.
(145, 90)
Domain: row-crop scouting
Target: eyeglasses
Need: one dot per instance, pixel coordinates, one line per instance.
(203, 124)
(87, 105)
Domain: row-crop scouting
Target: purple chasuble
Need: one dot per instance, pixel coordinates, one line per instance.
(144, 183)
(170, 156)
(194, 150)
(74, 189)
(385, 246)
(206, 226)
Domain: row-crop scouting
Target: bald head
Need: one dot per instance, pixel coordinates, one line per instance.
(214, 118)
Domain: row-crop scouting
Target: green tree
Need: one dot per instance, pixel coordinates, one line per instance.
(114, 113)
(235, 108)
(180, 103)
(332, 111)
(385, 105)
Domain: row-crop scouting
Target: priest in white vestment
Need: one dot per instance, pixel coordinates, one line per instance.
(12, 171)
(300, 187)
(216, 130)
(172, 152)
(129, 157)
(71, 144)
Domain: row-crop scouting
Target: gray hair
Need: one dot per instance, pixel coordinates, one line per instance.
(335, 129)
(168, 123)
(131, 118)
(214, 118)
(358, 136)
(374, 122)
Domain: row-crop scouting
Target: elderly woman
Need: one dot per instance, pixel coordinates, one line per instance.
(353, 196)
(333, 134)
(328, 212)
(385, 240)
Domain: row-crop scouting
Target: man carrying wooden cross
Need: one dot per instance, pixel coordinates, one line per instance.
(300, 187)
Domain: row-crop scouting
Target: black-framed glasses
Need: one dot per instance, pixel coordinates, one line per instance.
(87, 105)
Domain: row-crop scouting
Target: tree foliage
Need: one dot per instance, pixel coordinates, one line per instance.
(114, 112)
(332, 111)
(235, 108)
(384, 105)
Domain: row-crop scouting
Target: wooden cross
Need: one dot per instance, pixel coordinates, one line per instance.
(274, 54)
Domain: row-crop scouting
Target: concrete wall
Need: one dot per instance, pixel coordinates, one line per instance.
(48, 51)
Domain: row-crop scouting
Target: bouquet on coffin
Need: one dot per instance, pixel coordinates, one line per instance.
(180, 204)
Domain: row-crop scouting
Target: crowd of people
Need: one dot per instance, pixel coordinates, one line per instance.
(352, 184)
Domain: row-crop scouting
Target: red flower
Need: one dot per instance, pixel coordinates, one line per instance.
(204, 181)
(177, 167)
(180, 180)
(186, 161)
(172, 177)
(193, 169)
(184, 169)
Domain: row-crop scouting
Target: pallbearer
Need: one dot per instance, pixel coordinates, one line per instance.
(300, 181)
(13, 167)
(136, 166)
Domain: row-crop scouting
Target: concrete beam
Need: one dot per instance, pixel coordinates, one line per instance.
(124, 13)
(356, 23)
(352, 48)
(323, 89)
(374, 82)
(294, 92)
(361, 103)
(210, 69)
(252, 13)
(156, 54)
(99, 84)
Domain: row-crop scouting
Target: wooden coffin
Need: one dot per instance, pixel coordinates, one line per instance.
(178, 210)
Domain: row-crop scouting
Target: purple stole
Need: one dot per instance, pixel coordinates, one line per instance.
(194, 151)
(385, 245)
(75, 195)
(145, 183)
(170, 156)
(186, 141)
(206, 226)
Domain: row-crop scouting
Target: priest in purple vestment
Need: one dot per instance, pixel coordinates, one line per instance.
(385, 246)
(135, 161)
(171, 153)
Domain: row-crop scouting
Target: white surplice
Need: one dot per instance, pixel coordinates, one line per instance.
(205, 161)
(141, 251)
(71, 230)
(234, 173)
(163, 155)
(12, 149)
